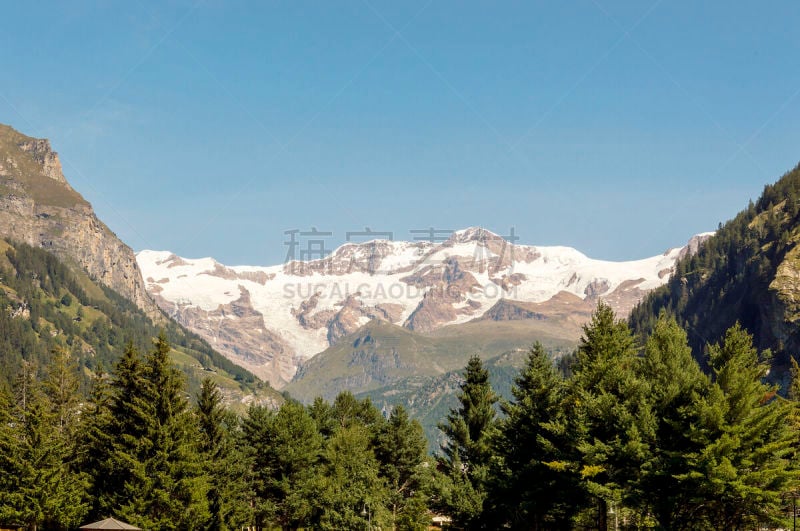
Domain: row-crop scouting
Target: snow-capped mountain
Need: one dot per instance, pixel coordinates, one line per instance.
(269, 319)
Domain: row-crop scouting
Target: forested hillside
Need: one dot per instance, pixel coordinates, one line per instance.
(46, 305)
(748, 272)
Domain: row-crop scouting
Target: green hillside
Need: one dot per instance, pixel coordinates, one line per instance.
(748, 272)
(46, 304)
(395, 366)
(382, 354)
(430, 398)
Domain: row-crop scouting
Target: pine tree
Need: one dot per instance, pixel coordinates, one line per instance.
(117, 433)
(44, 490)
(400, 449)
(153, 475)
(171, 493)
(285, 449)
(9, 457)
(676, 385)
(224, 463)
(610, 417)
(62, 385)
(95, 448)
(467, 452)
(532, 485)
(352, 495)
(747, 439)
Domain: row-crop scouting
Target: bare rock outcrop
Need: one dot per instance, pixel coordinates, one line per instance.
(238, 332)
(38, 207)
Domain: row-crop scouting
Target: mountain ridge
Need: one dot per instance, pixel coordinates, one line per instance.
(307, 306)
(39, 207)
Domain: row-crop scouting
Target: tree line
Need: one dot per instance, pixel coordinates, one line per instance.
(139, 449)
(617, 435)
(627, 437)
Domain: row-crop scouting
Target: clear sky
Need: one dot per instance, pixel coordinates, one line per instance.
(211, 127)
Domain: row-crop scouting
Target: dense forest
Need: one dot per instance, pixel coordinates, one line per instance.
(620, 434)
(745, 274)
(48, 306)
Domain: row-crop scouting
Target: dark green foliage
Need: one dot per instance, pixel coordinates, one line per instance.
(747, 439)
(531, 485)
(350, 482)
(150, 472)
(40, 485)
(611, 421)
(678, 394)
(284, 449)
(224, 462)
(729, 279)
(469, 430)
(400, 450)
(46, 310)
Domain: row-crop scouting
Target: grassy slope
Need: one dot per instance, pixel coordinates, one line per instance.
(41, 188)
(383, 355)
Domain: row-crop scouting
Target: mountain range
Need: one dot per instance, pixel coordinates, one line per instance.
(281, 322)
(392, 320)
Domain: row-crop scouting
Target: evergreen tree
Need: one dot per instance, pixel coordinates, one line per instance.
(171, 494)
(467, 452)
(61, 386)
(532, 485)
(352, 495)
(223, 462)
(9, 457)
(43, 491)
(117, 433)
(95, 448)
(285, 449)
(400, 449)
(677, 384)
(610, 417)
(348, 411)
(153, 475)
(747, 439)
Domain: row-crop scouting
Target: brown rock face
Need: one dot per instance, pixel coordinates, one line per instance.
(449, 285)
(38, 207)
(239, 332)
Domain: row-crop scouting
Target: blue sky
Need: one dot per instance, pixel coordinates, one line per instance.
(211, 127)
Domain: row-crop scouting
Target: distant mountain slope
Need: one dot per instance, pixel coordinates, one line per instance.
(748, 272)
(272, 319)
(44, 304)
(39, 207)
(430, 398)
(381, 354)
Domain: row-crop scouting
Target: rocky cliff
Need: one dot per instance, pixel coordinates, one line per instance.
(39, 207)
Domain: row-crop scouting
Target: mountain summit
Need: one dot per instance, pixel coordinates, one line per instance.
(272, 319)
(40, 208)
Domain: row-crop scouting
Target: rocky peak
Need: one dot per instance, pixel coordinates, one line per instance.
(38, 207)
(40, 150)
(694, 244)
(473, 234)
